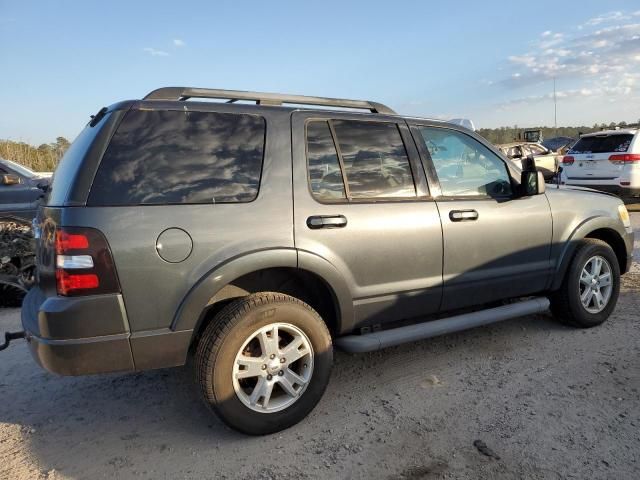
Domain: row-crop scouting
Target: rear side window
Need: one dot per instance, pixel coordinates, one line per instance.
(324, 167)
(603, 144)
(370, 162)
(179, 157)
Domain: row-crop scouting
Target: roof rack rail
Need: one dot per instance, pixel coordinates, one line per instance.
(184, 93)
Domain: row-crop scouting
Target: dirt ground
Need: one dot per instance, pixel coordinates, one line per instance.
(547, 400)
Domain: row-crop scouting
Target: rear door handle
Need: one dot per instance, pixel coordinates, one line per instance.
(463, 215)
(326, 221)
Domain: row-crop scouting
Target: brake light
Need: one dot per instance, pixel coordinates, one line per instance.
(624, 158)
(68, 241)
(568, 160)
(84, 264)
(68, 282)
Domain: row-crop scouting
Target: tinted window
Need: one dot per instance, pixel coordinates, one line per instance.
(603, 144)
(324, 167)
(464, 166)
(375, 159)
(71, 162)
(158, 157)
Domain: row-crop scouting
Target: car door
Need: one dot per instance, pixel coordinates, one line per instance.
(544, 159)
(362, 206)
(496, 245)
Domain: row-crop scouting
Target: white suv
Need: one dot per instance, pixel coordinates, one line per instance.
(608, 160)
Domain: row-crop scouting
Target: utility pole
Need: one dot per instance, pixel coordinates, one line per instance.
(555, 108)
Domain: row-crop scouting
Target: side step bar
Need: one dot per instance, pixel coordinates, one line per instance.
(389, 338)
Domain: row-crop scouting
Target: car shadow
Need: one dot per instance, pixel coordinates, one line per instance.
(131, 421)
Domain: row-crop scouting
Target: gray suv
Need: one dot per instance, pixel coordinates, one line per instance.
(254, 237)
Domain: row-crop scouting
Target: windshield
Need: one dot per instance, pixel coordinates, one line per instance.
(603, 144)
(22, 170)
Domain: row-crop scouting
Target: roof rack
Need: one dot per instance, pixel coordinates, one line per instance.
(184, 93)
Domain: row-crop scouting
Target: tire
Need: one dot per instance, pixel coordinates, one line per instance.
(240, 337)
(567, 305)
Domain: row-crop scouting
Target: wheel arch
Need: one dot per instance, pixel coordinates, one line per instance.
(317, 283)
(601, 228)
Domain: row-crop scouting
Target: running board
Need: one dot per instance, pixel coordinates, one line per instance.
(389, 338)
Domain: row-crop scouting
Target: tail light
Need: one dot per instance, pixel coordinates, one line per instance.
(568, 160)
(624, 158)
(84, 265)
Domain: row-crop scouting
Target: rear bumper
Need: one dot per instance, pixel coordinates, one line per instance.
(77, 336)
(82, 356)
(628, 195)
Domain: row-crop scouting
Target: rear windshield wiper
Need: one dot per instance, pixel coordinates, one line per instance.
(97, 117)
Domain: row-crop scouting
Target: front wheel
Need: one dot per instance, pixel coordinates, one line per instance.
(264, 362)
(591, 286)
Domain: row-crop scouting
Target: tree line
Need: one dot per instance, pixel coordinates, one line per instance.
(510, 134)
(43, 158)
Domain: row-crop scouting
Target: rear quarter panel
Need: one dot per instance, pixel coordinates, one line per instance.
(154, 289)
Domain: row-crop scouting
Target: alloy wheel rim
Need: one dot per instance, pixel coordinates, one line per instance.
(596, 284)
(273, 368)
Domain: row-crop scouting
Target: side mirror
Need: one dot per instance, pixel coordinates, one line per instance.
(9, 179)
(532, 183)
(531, 180)
(516, 155)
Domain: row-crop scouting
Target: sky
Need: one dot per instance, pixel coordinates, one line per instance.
(493, 62)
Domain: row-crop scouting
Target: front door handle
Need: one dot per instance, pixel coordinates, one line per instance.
(463, 215)
(326, 221)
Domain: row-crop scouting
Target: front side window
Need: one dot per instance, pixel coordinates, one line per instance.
(369, 156)
(174, 157)
(464, 166)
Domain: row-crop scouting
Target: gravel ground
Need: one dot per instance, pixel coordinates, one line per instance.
(547, 401)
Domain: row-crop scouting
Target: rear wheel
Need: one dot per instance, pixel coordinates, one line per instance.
(264, 362)
(590, 289)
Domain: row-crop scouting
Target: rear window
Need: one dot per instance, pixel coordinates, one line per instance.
(603, 144)
(180, 157)
(71, 162)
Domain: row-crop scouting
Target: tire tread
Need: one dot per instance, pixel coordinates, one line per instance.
(220, 327)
